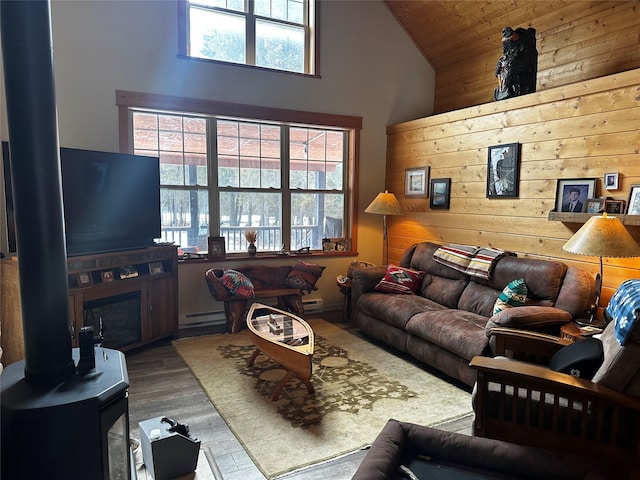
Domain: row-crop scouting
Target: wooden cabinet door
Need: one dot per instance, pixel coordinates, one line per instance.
(162, 312)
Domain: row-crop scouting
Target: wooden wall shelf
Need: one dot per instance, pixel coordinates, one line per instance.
(566, 217)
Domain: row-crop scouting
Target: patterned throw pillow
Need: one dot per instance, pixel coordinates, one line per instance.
(237, 283)
(304, 276)
(624, 308)
(513, 295)
(400, 280)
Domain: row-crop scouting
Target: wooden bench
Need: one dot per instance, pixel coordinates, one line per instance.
(268, 282)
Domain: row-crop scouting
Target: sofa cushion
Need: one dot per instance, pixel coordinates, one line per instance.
(513, 295)
(400, 280)
(304, 276)
(237, 283)
(457, 331)
(395, 309)
(445, 291)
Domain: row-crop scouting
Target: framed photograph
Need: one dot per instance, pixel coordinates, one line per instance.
(128, 271)
(107, 276)
(610, 181)
(503, 167)
(416, 182)
(84, 279)
(440, 193)
(155, 268)
(572, 193)
(594, 205)
(634, 200)
(614, 206)
(217, 249)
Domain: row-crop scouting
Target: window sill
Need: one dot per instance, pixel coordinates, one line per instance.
(230, 257)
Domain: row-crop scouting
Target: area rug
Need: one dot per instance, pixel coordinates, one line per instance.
(358, 387)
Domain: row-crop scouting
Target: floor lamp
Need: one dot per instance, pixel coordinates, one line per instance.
(602, 236)
(385, 204)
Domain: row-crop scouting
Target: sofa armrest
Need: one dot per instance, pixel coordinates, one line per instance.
(364, 280)
(533, 347)
(529, 317)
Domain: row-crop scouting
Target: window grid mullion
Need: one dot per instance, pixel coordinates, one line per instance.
(285, 169)
(212, 176)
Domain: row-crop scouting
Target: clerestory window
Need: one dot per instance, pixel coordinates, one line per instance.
(276, 34)
(222, 174)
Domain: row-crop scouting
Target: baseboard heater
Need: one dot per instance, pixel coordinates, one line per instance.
(312, 305)
(202, 319)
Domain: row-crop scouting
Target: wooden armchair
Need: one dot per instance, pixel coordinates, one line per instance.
(528, 404)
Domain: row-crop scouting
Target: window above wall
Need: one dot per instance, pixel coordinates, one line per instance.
(273, 34)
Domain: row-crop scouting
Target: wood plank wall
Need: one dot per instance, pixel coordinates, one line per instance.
(576, 41)
(578, 131)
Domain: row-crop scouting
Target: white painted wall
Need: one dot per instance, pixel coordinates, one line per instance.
(369, 68)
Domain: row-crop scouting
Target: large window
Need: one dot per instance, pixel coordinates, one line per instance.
(277, 34)
(223, 174)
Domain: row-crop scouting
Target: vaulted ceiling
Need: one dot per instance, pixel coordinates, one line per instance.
(576, 40)
(451, 30)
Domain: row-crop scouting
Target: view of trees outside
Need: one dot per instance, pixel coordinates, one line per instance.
(218, 30)
(249, 193)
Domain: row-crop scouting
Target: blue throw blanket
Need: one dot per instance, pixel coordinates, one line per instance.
(624, 308)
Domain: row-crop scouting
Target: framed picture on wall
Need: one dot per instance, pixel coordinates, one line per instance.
(634, 200)
(503, 167)
(440, 193)
(610, 181)
(416, 182)
(573, 193)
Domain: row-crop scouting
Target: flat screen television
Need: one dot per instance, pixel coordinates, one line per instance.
(111, 200)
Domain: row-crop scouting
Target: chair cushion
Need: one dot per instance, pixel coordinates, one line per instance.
(400, 280)
(580, 359)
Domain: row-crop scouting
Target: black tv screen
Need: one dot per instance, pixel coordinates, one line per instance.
(111, 200)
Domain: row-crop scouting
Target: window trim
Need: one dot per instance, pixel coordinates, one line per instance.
(311, 60)
(127, 99)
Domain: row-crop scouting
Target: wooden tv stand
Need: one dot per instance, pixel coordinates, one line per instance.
(154, 277)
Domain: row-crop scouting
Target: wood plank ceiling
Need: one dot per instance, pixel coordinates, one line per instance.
(576, 40)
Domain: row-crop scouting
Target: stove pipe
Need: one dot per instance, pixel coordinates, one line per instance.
(27, 50)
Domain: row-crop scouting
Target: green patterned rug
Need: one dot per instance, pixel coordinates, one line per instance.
(359, 386)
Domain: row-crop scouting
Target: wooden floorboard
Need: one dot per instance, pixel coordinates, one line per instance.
(162, 385)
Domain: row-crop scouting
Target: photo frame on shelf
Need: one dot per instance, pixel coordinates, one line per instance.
(128, 271)
(594, 205)
(572, 194)
(216, 248)
(614, 206)
(107, 276)
(440, 193)
(416, 182)
(610, 181)
(155, 268)
(84, 279)
(633, 205)
(503, 171)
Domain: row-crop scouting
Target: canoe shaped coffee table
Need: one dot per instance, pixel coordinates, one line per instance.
(286, 339)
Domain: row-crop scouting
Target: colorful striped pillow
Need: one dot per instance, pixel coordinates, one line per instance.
(513, 295)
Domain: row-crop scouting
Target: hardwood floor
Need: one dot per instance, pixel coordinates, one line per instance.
(162, 385)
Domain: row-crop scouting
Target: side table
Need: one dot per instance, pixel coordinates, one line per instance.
(345, 289)
(571, 331)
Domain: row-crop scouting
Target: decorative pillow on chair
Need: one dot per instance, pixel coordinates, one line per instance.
(513, 295)
(304, 276)
(400, 280)
(237, 283)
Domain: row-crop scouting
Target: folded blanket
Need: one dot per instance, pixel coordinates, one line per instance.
(472, 260)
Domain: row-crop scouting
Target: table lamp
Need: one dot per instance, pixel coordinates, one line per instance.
(385, 204)
(602, 236)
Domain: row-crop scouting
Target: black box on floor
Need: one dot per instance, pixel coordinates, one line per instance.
(167, 454)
